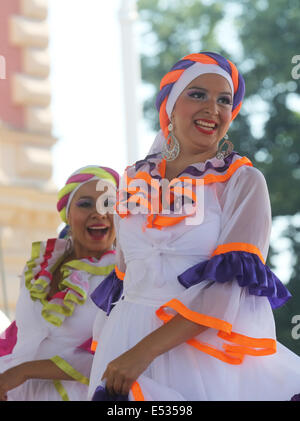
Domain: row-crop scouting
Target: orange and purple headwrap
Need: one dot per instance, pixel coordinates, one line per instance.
(77, 179)
(205, 62)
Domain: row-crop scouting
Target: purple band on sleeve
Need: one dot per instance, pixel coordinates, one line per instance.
(108, 292)
(246, 268)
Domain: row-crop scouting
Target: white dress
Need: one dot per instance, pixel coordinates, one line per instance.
(213, 273)
(59, 329)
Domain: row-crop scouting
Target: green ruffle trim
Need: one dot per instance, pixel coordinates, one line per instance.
(68, 369)
(61, 390)
(94, 270)
(75, 295)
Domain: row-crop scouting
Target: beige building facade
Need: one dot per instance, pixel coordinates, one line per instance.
(27, 194)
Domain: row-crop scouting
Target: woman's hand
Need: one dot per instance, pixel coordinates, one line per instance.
(10, 379)
(38, 369)
(122, 372)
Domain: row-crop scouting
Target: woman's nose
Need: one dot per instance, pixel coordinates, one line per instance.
(98, 212)
(211, 106)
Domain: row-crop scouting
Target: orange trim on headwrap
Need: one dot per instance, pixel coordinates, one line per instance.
(200, 58)
(164, 118)
(171, 77)
(234, 76)
(203, 58)
(236, 111)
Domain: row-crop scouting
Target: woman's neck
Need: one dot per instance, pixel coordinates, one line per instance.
(174, 168)
(82, 253)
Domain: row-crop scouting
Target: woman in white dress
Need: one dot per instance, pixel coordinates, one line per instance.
(48, 355)
(193, 223)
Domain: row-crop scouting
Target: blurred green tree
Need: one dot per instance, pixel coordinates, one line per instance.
(267, 129)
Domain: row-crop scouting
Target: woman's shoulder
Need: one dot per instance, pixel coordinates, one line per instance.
(246, 181)
(248, 173)
(48, 246)
(150, 164)
(43, 254)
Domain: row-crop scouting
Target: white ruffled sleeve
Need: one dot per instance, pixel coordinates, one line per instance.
(231, 292)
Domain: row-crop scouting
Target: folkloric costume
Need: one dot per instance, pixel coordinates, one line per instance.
(61, 328)
(209, 266)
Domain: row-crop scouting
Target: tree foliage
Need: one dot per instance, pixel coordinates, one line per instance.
(267, 128)
(170, 30)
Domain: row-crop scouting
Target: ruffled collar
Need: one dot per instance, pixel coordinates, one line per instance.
(142, 190)
(74, 286)
(154, 164)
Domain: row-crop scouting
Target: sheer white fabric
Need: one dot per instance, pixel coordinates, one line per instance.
(158, 144)
(246, 216)
(236, 211)
(38, 339)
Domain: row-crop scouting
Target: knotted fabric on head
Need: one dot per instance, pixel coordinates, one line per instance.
(185, 71)
(79, 178)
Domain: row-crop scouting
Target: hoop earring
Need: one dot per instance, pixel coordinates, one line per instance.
(171, 147)
(222, 152)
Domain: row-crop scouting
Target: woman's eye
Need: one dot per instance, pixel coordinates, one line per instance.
(109, 202)
(197, 95)
(84, 203)
(225, 100)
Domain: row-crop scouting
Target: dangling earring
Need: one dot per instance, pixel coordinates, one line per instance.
(223, 153)
(69, 243)
(171, 147)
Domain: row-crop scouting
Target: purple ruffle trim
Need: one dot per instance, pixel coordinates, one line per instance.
(195, 172)
(192, 170)
(246, 268)
(152, 165)
(108, 292)
(101, 394)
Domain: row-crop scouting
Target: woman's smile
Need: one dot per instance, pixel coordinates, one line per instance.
(201, 116)
(93, 232)
(206, 126)
(98, 232)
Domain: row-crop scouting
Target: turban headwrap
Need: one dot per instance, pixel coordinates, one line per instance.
(185, 71)
(79, 178)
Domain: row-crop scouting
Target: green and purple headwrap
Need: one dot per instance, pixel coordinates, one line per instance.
(78, 179)
(188, 69)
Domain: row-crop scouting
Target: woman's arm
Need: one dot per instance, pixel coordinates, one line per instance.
(41, 369)
(121, 373)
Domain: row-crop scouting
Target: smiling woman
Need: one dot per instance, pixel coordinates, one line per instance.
(46, 353)
(92, 232)
(201, 117)
(197, 300)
